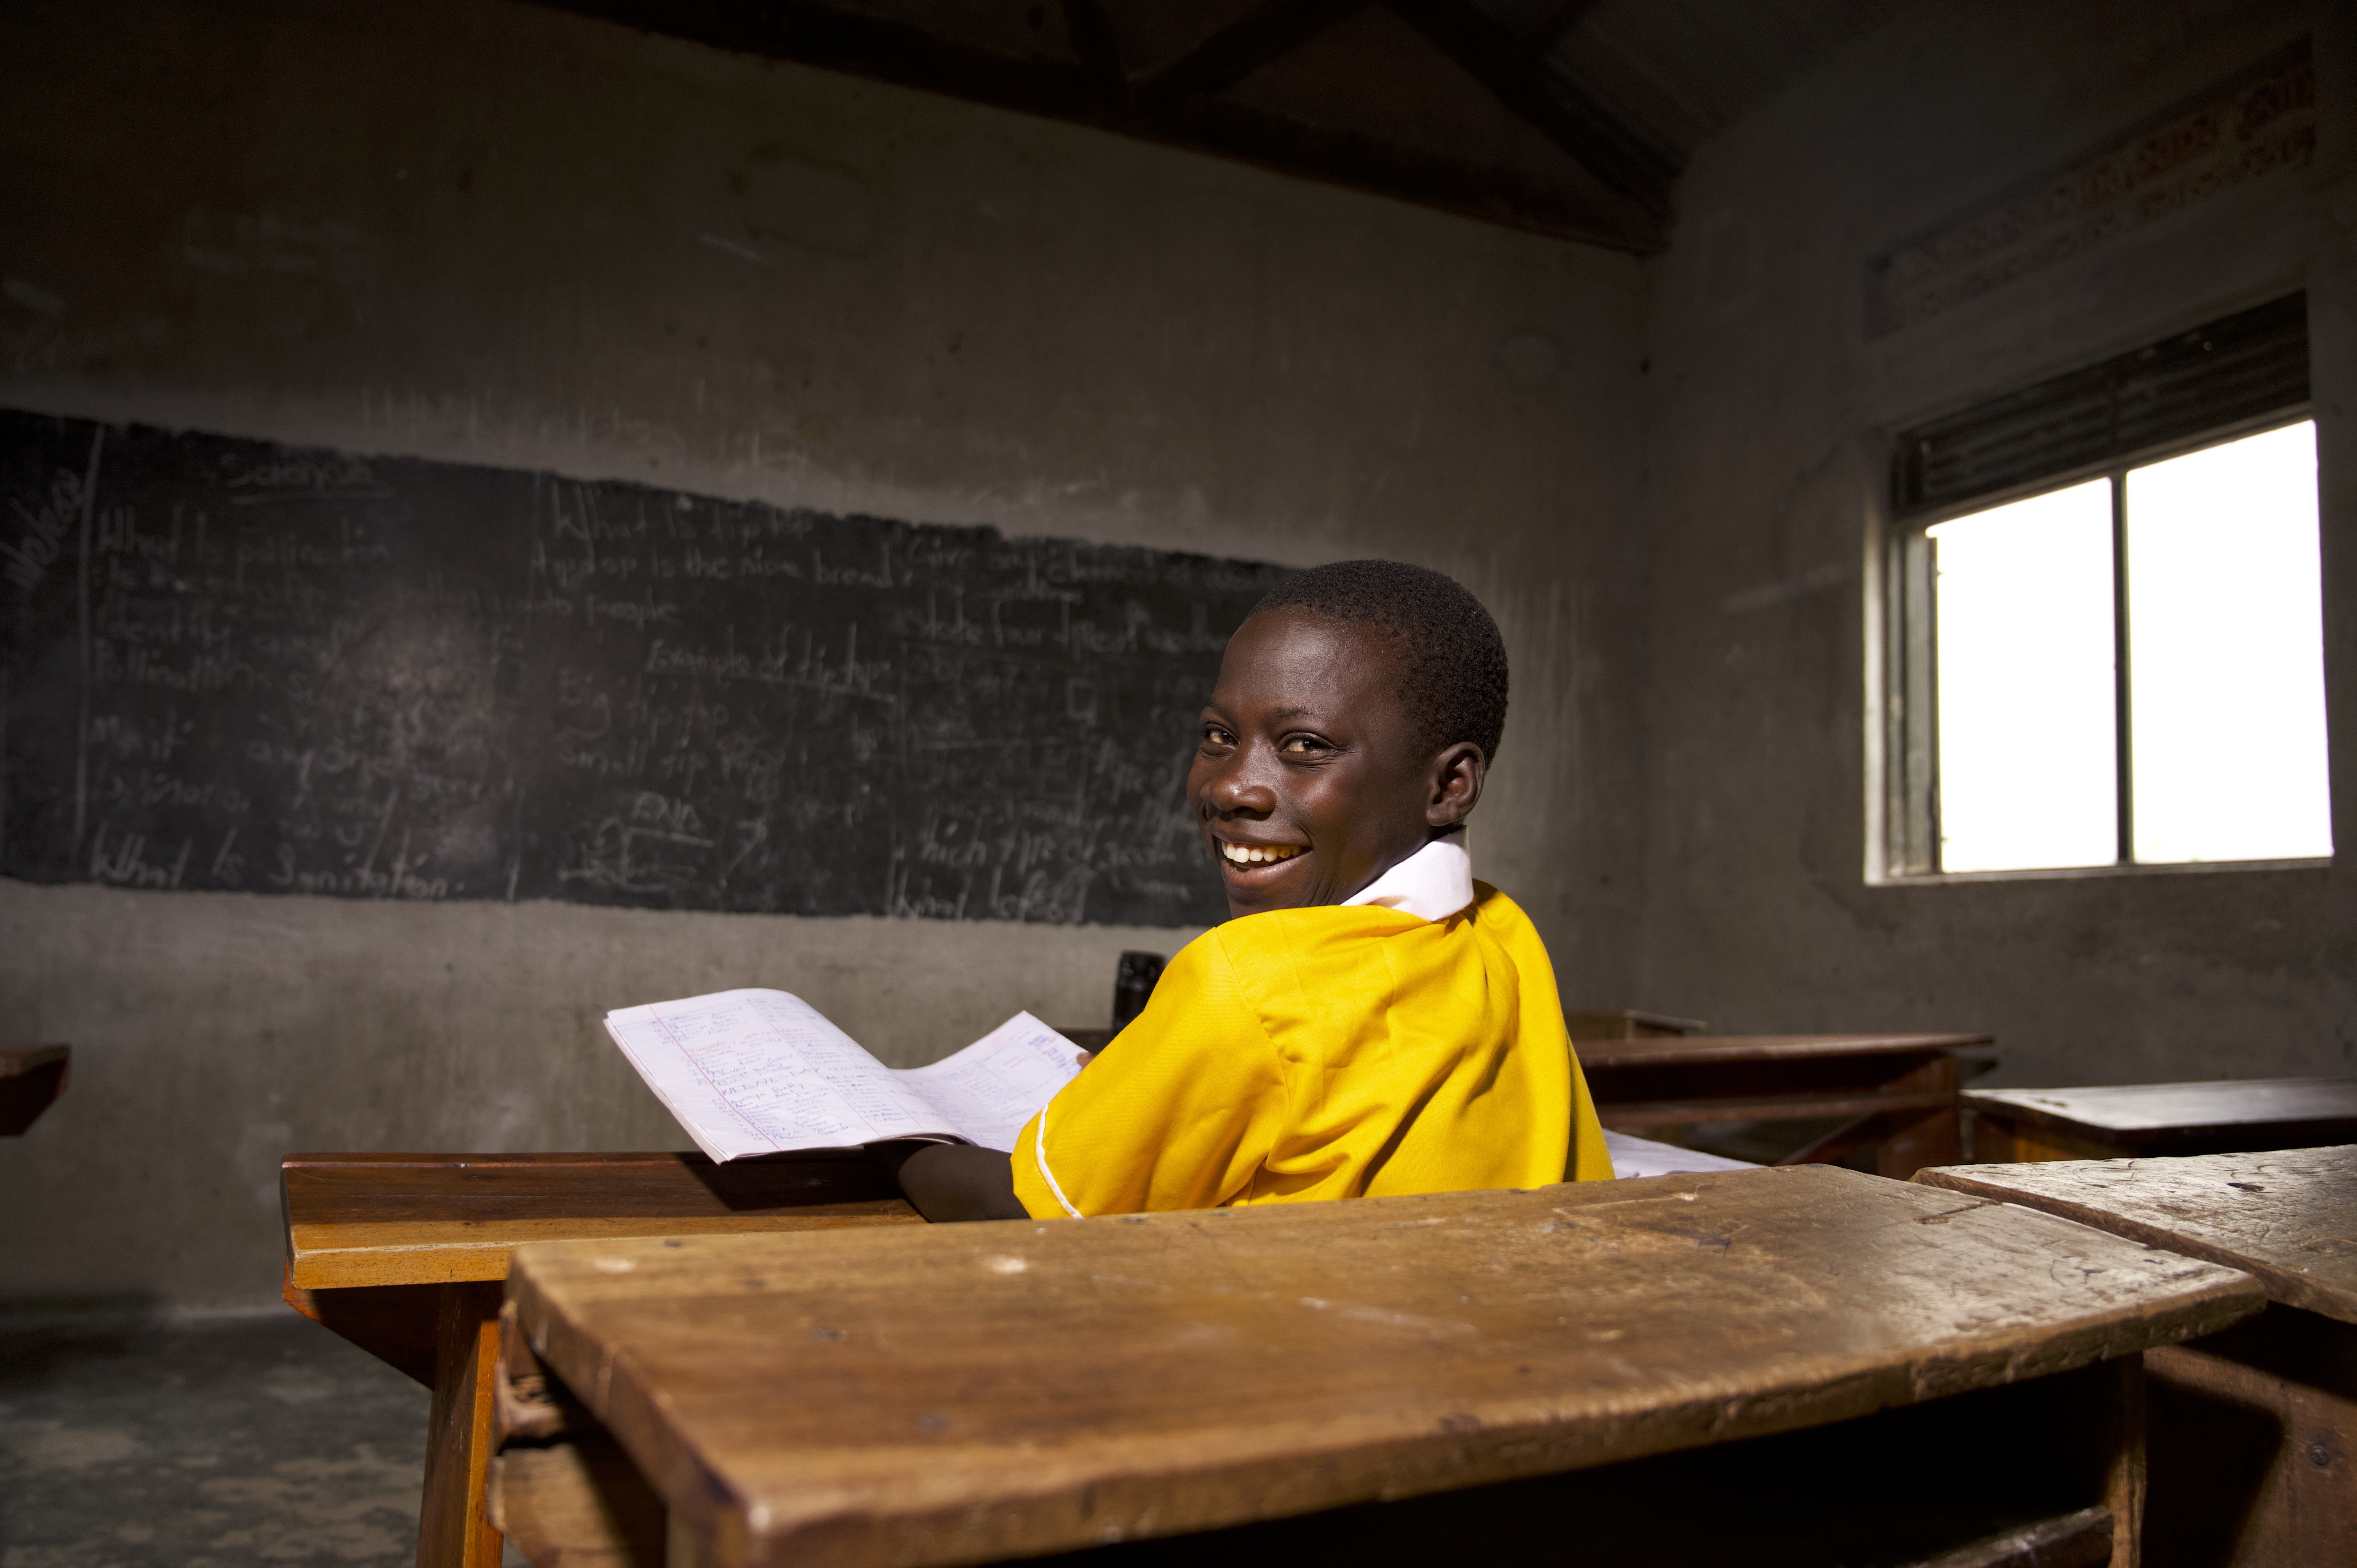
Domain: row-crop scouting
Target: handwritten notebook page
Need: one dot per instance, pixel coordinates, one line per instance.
(997, 1084)
(755, 1072)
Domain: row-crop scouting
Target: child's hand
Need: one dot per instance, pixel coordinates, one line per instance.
(958, 1181)
(1085, 1057)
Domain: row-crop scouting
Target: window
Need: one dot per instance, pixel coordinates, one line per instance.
(2102, 617)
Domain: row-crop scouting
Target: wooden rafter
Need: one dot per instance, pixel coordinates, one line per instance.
(1487, 51)
(1430, 179)
(1540, 41)
(1092, 40)
(1271, 29)
(1178, 106)
(860, 43)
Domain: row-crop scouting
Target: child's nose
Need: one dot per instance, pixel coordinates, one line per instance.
(1234, 792)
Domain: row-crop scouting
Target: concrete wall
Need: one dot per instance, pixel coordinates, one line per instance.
(490, 232)
(1770, 422)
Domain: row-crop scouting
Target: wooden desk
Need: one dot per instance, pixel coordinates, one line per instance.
(1897, 1092)
(30, 1078)
(403, 1255)
(977, 1393)
(2253, 1430)
(2169, 1120)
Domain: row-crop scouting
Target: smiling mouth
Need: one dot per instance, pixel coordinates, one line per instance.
(1258, 854)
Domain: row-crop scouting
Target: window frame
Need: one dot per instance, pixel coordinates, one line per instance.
(1903, 739)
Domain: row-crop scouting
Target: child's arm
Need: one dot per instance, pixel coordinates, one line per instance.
(950, 1182)
(957, 1181)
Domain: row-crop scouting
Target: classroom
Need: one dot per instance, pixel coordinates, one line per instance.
(517, 511)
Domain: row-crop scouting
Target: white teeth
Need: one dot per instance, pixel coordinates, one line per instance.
(1256, 854)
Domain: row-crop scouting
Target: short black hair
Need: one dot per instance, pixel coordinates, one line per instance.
(1452, 662)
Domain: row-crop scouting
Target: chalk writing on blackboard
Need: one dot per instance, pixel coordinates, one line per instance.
(231, 664)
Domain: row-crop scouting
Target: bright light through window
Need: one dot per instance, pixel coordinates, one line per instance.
(2026, 684)
(2225, 667)
(2226, 653)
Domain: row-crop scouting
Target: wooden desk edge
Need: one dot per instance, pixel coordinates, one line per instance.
(1625, 1115)
(593, 1159)
(340, 1257)
(2001, 1103)
(1707, 1049)
(2282, 1284)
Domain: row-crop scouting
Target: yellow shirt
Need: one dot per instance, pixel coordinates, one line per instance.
(1338, 1051)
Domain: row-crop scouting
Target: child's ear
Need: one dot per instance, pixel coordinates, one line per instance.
(1456, 776)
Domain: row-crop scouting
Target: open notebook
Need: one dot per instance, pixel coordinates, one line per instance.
(1633, 1157)
(761, 1072)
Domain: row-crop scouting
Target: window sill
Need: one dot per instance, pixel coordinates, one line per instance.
(2074, 872)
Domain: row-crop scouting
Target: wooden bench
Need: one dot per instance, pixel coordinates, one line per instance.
(1776, 1367)
(403, 1255)
(1895, 1092)
(30, 1078)
(2252, 1432)
(2167, 1120)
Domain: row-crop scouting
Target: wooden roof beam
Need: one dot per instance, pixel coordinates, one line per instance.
(1177, 105)
(1540, 41)
(1265, 33)
(1092, 40)
(1501, 61)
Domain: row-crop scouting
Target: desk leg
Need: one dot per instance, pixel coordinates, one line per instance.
(2124, 1479)
(1913, 1138)
(681, 1549)
(454, 1528)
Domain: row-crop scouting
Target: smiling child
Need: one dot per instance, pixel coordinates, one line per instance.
(1371, 1019)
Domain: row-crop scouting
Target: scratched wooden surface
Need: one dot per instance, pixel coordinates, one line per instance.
(963, 1394)
(403, 1219)
(2288, 1217)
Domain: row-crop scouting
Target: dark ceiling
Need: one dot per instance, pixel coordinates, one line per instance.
(1568, 117)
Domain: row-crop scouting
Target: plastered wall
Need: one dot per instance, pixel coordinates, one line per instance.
(1770, 416)
(490, 232)
(485, 231)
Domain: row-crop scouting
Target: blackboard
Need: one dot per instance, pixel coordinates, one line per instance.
(234, 664)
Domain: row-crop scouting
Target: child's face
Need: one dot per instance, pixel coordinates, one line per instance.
(1306, 752)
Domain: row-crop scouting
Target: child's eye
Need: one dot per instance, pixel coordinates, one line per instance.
(1214, 735)
(1301, 745)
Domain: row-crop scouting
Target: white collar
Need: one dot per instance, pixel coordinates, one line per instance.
(1432, 884)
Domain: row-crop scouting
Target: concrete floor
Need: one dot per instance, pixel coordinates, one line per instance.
(127, 1441)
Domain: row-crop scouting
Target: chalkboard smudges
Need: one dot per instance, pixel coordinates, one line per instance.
(232, 664)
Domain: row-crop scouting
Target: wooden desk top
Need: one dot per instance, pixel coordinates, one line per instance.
(1713, 1048)
(961, 1393)
(388, 1220)
(2138, 1112)
(2289, 1217)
